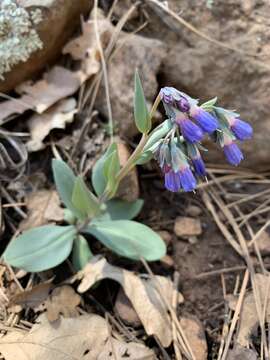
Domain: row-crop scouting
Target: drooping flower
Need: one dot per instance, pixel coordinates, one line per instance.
(205, 120)
(175, 167)
(199, 166)
(187, 179)
(190, 131)
(241, 129)
(232, 152)
(172, 180)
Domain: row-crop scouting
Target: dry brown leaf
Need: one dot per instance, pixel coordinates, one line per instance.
(85, 47)
(43, 206)
(85, 337)
(56, 117)
(57, 84)
(125, 310)
(116, 349)
(195, 334)
(240, 353)
(32, 298)
(142, 293)
(63, 300)
(248, 321)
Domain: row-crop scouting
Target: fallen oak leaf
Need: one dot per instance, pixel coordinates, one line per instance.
(57, 84)
(122, 350)
(63, 300)
(85, 337)
(33, 298)
(85, 46)
(43, 206)
(142, 293)
(56, 117)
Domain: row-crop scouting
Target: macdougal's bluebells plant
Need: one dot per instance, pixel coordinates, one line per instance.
(178, 153)
(175, 144)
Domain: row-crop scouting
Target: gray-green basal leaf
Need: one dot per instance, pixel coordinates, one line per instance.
(129, 239)
(40, 248)
(81, 253)
(84, 200)
(124, 210)
(64, 179)
(99, 180)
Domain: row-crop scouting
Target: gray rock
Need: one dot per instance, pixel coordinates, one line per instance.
(136, 51)
(59, 20)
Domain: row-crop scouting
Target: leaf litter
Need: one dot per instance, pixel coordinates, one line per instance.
(43, 206)
(56, 117)
(85, 337)
(142, 293)
(248, 319)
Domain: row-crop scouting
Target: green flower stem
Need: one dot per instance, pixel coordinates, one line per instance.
(137, 152)
(154, 107)
(133, 157)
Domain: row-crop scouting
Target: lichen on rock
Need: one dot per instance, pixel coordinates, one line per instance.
(18, 37)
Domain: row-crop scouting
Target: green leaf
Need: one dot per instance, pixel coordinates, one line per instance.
(154, 141)
(158, 133)
(124, 210)
(208, 105)
(129, 239)
(142, 118)
(81, 253)
(98, 178)
(64, 179)
(41, 248)
(111, 168)
(84, 200)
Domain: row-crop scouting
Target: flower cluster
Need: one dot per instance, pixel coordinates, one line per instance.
(179, 152)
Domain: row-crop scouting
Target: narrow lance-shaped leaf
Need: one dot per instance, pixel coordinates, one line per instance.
(81, 253)
(99, 180)
(141, 114)
(84, 200)
(40, 248)
(64, 179)
(129, 239)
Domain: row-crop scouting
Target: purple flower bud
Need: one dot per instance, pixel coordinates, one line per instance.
(183, 104)
(172, 181)
(187, 179)
(233, 153)
(204, 119)
(199, 166)
(191, 132)
(241, 129)
(167, 96)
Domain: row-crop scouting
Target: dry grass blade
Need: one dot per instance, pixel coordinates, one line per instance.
(208, 203)
(249, 197)
(236, 315)
(183, 341)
